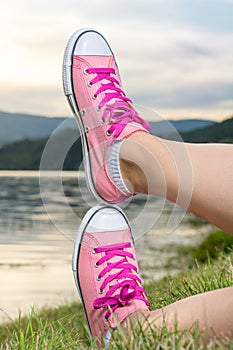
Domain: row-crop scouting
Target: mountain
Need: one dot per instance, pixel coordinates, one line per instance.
(220, 132)
(14, 127)
(26, 154)
(171, 129)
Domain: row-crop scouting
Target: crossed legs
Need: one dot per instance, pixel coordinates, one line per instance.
(161, 167)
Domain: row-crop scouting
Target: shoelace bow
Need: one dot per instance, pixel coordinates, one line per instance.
(128, 286)
(120, 112)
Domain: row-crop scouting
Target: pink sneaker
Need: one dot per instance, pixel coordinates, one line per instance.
(106, 270)
(105, 115)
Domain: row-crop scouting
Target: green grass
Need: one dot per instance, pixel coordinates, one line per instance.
(65, 328)
(211, 247)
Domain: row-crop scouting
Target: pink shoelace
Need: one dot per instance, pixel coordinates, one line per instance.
(126, 285)
(120, 112)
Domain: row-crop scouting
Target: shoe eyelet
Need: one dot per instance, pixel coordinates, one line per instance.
(98, 108)
(87, 129)
(134, 257)
(94, 97)
(105, 319)
(102, 121)
(101, 291)
(93, 251)
(96, 265)
(98, 278)
(89, 84)
(108, 133)
(85, 71)
(83, 112)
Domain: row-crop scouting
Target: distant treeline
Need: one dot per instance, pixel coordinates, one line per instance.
(220, 133)
(26, 154)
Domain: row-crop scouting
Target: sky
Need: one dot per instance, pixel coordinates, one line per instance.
(175, 56)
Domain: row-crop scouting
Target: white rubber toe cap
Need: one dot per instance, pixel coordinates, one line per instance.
(107, 219)
(91, 43)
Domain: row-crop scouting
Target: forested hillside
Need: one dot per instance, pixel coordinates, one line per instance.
(26, 154)
(221, 132)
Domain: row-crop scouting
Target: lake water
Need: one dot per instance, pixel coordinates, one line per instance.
(39, 219)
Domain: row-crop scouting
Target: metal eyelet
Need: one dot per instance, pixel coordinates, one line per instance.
(85, 71)
(102, 121)
(93, 251)
(96, 265)
(105, 319)
(134, 257)
(87, 129)
(89, 84)
(98, 108)
(98, 278)
(101, 291)
(94, 97)
(83, 112)
(108, 133)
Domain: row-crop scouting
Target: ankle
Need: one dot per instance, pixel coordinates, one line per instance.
(133, 176)
(149, 164)
(133, 154)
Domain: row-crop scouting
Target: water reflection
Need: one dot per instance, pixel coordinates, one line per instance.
(36, 246)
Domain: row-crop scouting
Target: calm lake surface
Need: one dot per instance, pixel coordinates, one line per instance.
(40, 214)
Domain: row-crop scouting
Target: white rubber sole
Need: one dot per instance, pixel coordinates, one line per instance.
(69, 92)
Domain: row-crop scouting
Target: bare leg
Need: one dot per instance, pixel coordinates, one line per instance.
(156, 166)
(203, 184)
(211, 311)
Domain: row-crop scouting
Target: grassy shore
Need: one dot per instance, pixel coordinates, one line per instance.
(65, 328)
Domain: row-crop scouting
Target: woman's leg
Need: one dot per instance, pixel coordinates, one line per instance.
(211, 312)
(161, 167)
(199, 177)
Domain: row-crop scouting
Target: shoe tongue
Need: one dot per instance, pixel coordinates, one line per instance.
(112, 237)
(121, 313)
(99, 61)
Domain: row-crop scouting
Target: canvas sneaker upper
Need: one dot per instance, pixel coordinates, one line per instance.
(105, 114)
(106, 270)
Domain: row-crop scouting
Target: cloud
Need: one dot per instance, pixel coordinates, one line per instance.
(170, 53)
(178, 60)
(41, 100)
